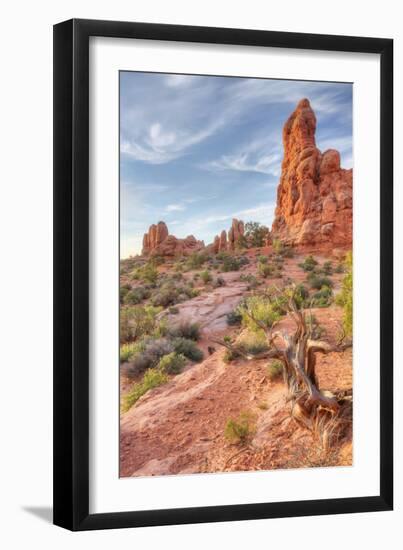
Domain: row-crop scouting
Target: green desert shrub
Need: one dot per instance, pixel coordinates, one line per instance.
(148, 273)
(205, 276)
(308, 264)
(148, 355)
(278, 246)
(274, 369)
(318, 281)
(264, 270)
(323, 297)
(339, 268)
(188, 348)
(253, 343)
(242, 260)
(230, 263)
(136, 321)
(240, 429)
(234, 317)
(259, 308)
(185, 329)
(301, 295)
(327, 268)
(256, 234)
(345, 298)
(172, 363)
(151, 379)
(196, 260)
(250, 279)
(136, 296)
(127, 351)
(123, 291)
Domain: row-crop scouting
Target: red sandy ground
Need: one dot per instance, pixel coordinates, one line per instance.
(179, 427)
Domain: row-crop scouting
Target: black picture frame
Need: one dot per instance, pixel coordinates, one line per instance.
(71, 274)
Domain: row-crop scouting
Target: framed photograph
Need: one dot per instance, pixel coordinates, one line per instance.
(223, 321)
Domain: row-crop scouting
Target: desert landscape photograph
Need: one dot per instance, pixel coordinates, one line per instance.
(236, 274)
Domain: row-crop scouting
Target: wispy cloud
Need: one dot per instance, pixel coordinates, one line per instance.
(245, 162)
(177, 118)
(175, 208)
(161, 146)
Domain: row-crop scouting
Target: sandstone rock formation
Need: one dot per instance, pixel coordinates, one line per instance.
(158, 242)
(223, 241)
(314, 196)
(235, 233)
(228, 241)
(155, 236)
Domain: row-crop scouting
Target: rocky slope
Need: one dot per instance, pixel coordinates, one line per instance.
(314, 197)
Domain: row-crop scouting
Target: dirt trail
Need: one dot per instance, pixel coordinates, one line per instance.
(210, 310)
(172, 428)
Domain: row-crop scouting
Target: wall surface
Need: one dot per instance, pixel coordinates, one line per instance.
(26, 251)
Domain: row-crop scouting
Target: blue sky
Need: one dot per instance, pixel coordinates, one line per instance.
(196, 151)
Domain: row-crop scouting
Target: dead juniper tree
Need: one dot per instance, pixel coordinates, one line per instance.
(322, 412)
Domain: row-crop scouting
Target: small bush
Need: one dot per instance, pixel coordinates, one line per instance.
(274, 370)
(234, 318)
(323, 297)
(196, 260)
(260, 308)
(288, 252)
(173, 310)
(327, 268)
(218, 282)
(317, 281)
(136, 321)
(136, 296)
(339, 268)
(151, 379)
(253, 342)
(262, 259)
(185, 329)
(278, 246)
(308, 264)
(188, 348)
(239, 430)
(127, 351)
(230, 355)
(250, 279)
(345, 298)
(172, 363)
(206, 277)
(264, 270)
(123, 291)
(230, 264)
(148, 355)
(148, 273)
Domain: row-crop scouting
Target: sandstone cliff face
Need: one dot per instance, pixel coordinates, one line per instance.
(158, 242)
(314, 197)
